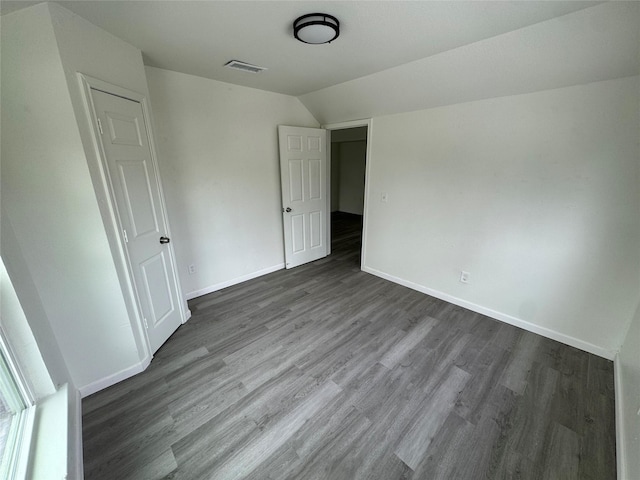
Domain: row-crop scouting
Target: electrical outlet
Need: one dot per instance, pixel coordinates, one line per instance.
(464, 276)
(192, 269)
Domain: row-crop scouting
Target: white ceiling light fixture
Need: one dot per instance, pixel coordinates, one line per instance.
(316, 28)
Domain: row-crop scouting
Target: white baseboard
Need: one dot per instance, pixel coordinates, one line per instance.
(503, 317)
(619, 396)
(112, 379)
(234, 281)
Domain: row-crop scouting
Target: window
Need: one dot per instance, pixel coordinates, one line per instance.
(16, 418)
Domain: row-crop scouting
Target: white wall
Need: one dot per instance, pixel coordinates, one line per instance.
(87, 49)
(535, 195)
(30, 73)
(48, 198)
(32, 307)
(22, 343)
(219, 164)
(628, 397)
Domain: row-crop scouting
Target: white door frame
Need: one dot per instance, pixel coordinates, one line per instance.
(106, 200)
(342, 126)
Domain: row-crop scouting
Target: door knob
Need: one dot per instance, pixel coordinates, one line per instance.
(164, 240)
(288, 209)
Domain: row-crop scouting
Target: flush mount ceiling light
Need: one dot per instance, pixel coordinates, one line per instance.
(316, 28)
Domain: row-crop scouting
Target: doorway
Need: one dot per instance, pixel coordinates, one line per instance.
(128, 185)
(347, 190)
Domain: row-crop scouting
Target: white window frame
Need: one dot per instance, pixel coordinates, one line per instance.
(15, 460)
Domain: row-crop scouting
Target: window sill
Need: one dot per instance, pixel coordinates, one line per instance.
(49, 442)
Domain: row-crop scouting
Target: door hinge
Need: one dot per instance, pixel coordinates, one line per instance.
(124, 234)
(100, 126)
(146, 325)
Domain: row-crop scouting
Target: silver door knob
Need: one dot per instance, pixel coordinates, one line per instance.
(164, 240)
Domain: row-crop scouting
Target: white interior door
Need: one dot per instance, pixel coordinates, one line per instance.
(305, 203)
(137, 197)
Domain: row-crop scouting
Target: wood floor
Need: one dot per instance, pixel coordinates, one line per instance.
(326, 372)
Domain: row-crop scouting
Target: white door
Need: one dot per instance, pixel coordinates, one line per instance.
(303, 168)
(135, 187)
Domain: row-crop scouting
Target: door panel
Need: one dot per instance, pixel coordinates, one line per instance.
(315, 227)
(314, 143)
(294, 143)
(134, 177)
(295, 180)
(135, 185)
(303, 164)
(315, 179)
(155, 274)
(124, 130)
(297, 228)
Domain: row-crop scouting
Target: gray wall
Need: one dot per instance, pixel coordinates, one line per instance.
(348, 163)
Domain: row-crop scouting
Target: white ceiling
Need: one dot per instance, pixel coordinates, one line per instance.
(199, 37)
(591, 45)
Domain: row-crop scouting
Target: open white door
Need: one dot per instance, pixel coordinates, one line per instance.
(135, 187)
(303, 167)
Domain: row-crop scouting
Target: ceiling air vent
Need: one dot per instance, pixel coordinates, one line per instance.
(245, 67)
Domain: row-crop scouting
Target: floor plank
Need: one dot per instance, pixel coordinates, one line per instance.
(326, 372)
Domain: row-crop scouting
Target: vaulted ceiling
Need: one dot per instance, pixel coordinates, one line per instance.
(391, 56)
(199, 37)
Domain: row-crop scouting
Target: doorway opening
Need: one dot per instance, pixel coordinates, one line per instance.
(348, 174)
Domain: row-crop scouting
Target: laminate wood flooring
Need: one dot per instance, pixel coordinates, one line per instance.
(326, 372)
